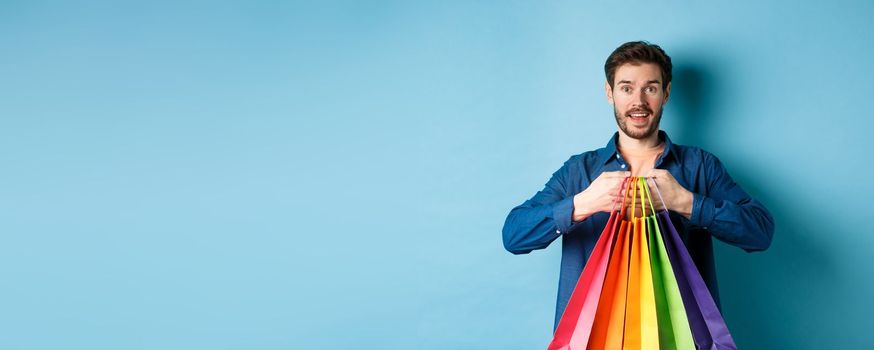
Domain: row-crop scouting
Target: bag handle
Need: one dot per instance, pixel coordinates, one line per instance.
(626, 183)
(634, 198)
(641, 185)
(656, 186)
(649, 196)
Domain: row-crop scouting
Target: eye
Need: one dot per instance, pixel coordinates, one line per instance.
(625, 88)
(651, 89)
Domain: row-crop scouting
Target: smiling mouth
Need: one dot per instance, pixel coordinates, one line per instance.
(638, 115)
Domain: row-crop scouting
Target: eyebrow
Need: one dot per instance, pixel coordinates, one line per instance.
(647, 83)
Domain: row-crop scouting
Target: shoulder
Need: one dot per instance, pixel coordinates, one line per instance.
(578, 164)
(695, 156)
(584, 161)
(579, 168)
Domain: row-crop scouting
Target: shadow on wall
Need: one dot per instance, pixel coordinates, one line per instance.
(766, 296)
(692, 96)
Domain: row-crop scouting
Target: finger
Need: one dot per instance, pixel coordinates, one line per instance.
(650, 181)
(616, 200)
(621, 193)
(659, 176)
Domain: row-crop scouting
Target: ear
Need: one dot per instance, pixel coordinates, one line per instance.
(609, 91)
(667, 93)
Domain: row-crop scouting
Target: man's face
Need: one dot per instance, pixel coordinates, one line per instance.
(638, 98)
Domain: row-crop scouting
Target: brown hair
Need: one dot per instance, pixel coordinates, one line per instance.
(637, 52)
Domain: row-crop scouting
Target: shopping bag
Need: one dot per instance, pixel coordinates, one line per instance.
(575, 324)
(673, 325)
(709, 330)
(609, 324)
(641, 323)
(640, 288)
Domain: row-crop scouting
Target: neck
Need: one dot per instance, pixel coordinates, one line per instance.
(631, 144)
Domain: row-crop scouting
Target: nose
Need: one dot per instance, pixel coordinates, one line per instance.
(639, 98)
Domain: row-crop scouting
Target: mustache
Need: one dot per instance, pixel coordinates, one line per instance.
(638, 110)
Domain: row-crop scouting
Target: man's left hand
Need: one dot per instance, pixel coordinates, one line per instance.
(676, 198)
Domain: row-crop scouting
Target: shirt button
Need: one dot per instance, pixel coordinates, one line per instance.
(558, 231)
(622, 166)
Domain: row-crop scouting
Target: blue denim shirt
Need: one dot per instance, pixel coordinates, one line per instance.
(720, 208)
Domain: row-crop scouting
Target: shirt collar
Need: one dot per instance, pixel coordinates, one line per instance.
(610, 151)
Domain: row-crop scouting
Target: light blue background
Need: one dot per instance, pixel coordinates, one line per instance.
(335, 175)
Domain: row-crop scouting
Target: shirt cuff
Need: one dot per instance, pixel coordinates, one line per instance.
(703, 211)
(561, 214)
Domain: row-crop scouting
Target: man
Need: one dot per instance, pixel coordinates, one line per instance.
(575, 203)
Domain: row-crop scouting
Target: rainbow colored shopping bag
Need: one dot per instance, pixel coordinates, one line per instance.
(640, 288)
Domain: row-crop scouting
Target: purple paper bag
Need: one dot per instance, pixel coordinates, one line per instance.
(708, 327)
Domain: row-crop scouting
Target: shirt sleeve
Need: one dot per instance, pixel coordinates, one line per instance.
(540, 220)
(729, 213)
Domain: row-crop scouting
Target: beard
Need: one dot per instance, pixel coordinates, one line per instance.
(622, 122)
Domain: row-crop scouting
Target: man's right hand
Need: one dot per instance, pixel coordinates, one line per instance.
(601, 195)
